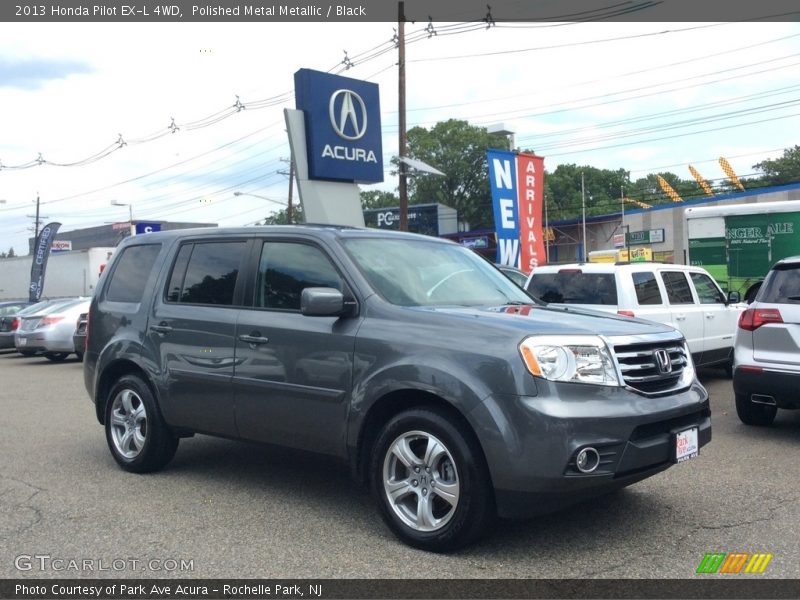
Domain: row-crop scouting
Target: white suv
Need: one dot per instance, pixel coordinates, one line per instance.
(685, 297)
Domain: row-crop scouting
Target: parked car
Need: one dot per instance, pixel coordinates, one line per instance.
(514, 274)
(50, 331)
(767, 356)
(9, 310)
(10, 322)
(682, 296)
(79, 337)
(448, 389)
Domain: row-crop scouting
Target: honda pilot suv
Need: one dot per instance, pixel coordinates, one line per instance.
(767, 348)
(448, 389)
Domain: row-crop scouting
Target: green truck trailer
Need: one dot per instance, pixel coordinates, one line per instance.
(739, 243)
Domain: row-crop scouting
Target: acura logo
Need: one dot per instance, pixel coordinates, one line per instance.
(348, 114)
(663, 361)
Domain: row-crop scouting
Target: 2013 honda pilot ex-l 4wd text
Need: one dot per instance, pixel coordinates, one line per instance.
(449, 390)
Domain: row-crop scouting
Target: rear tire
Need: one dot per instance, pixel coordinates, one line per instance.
(80, 356)
(27, 352)
(750, 413)
(430, 481)
(137, 436)
(56, 356)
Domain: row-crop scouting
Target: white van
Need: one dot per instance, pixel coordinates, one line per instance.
(685, 297)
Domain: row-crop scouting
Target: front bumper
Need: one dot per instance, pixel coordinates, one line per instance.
(531, 442)
(780, 385)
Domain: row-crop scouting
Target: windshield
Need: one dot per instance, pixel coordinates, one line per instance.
(418, 273)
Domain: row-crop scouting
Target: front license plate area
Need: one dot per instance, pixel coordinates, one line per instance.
(686, 445)
(22, 342)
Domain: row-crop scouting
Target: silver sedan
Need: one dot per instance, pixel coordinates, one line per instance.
(50, 331)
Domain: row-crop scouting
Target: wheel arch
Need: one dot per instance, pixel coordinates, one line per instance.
(393, 403)
(112, 373)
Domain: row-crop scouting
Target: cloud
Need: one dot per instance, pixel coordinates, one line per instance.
(34, 73)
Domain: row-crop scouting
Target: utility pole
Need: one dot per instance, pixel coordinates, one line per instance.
(622, 204)
(291, 181)
(583, 204)
(290, 174)
(401, 105)
(546, 237)
(37, 220)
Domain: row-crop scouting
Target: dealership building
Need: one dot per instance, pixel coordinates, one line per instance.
(661, 228)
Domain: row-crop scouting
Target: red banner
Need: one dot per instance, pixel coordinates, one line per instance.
(530, 190)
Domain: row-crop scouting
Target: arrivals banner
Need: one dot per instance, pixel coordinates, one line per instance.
(517, 182)
(41, 252)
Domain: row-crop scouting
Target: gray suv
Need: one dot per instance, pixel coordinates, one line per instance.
(766, 373)
(450, 391)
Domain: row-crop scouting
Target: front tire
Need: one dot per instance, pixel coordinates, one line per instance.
(137, 436)
(430, 481)
(750, 413)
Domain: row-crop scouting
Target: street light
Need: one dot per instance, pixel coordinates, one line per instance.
(130, 213)
(259, 196)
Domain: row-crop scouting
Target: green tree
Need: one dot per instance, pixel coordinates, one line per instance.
(458, 149)
(281, 218)
(603, 187)
(378, 199)
(11, 253)
(781, 171)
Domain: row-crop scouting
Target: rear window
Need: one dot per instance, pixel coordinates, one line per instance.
(205, 273)
(782, 285)
(646, 287)
(678, 290)
(131, 271)
(574, 287)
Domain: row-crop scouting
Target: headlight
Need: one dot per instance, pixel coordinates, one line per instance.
(575, 358)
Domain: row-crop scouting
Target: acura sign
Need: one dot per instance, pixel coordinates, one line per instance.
(343, 127)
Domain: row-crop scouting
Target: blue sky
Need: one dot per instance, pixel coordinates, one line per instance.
(646, 97)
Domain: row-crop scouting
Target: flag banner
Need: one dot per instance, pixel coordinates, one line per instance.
(503, 179)
(530, 178)
(517, 182)
(41, 252)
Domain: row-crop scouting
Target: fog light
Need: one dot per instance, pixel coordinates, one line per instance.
(587, 460)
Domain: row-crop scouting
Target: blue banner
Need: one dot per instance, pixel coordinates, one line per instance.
(142, 227)
(41, 252)
(503, 180)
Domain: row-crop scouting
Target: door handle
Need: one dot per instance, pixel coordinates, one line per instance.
(709, 315)
(161, 328)
(253, 339)
(680, 317)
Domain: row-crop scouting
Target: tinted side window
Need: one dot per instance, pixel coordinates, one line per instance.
(131, 271)
(211, 273)
(286, 269)
(707, 290)
(678, 290)
(575, 287)
(781, 286)
(646, 287)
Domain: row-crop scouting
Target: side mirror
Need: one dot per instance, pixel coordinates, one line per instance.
(734, 298)
(322, 302)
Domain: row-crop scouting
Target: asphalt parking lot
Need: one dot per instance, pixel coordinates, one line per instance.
(230, 510)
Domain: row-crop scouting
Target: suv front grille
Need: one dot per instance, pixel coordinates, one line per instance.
(652, 367)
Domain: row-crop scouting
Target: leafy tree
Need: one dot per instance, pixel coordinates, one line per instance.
(11, 253)
(562, 189)
(378, 199)
(458, 149)
(781, 171)
(281, 218)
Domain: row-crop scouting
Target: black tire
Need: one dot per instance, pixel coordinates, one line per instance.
(27, 352)
(79, 355)
(750, 413)
(56, 356)
(155, 445)
(461, 464)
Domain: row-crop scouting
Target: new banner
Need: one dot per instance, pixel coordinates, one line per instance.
(517, 182)
(41, 252)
